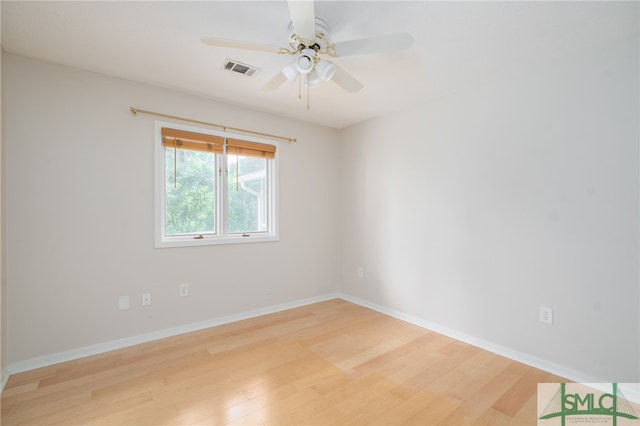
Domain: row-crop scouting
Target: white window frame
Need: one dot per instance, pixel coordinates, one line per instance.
(222, 236)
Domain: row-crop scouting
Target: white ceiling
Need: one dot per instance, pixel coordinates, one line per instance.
(457, 45)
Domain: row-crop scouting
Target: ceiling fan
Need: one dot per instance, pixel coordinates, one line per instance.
(310, 44)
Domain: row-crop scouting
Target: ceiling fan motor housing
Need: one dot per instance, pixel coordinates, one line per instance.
(321, 41)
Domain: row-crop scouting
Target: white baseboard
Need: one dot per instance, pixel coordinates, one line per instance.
(524, 358)
(86, 351)
(4, 376)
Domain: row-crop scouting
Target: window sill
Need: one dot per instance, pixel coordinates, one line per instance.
(192, 242)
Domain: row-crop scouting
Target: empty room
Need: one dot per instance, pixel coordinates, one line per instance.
(320, 212)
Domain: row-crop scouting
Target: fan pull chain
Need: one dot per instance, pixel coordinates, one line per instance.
(308, 93)
(299, 87)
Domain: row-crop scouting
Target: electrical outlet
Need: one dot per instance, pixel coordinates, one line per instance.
(146, 299)
(184, 289)
(546, 315)
(360, 272)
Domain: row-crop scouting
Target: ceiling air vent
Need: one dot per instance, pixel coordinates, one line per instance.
(240, 68)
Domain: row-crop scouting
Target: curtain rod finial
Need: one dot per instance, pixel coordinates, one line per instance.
(133, 110)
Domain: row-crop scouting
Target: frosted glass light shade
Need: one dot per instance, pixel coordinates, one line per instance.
(306, 61)
(312, 79)
(291, 72)
(326, 70)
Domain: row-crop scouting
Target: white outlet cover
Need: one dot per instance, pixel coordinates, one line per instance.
(146, 299)
(546, 315)
(184, 289)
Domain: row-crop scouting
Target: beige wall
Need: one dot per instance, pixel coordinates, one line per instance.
(476, 208)
(80, 215)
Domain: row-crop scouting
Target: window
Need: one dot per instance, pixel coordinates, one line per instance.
(213, 187)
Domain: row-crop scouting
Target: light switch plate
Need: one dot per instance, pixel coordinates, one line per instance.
(123, 303)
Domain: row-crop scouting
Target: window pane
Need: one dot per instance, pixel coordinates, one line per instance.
(247, 189)
(189, 192)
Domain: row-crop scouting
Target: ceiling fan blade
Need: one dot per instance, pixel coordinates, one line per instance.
(346, 81)
(218, 42)
(303, 17)
(275, 82)
(383, 44)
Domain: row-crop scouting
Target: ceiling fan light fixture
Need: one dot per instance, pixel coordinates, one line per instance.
(312, 80)
(305, 61)
(291, 72)
(326, 70)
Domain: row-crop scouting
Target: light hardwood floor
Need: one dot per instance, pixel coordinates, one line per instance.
(327, 363)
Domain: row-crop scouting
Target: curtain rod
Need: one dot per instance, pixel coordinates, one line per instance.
(135, 111)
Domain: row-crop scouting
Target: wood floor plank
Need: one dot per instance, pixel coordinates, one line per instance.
(492, 417)
(480, 401)
(367, 404)
(432, 370)
(517, 396)
(272, 406)
(33, 376)
(315, 407)
(434, 412)
(393, 353)
(30, 402)
(471, 376)
(38, 413)
(403, 410)
(327, 363)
